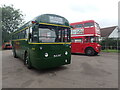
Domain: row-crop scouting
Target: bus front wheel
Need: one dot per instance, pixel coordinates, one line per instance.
(96, 53)
(89, 52)
(27, 61)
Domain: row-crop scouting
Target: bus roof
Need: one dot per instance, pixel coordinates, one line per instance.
(82, 22)
(48, 19)
(51, 19)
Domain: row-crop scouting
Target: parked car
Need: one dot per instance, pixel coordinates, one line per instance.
(7, 45)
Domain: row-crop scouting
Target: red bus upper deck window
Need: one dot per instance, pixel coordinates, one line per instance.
(77, 26)
(87, 25)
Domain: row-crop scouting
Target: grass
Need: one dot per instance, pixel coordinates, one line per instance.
(111, 50)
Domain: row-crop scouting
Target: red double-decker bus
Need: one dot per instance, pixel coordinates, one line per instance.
(85, 36)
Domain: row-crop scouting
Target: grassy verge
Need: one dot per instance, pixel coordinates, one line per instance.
(110, 50)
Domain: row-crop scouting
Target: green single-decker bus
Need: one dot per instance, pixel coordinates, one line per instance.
(43, 42)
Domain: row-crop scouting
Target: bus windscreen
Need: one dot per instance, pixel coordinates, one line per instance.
(54, 34)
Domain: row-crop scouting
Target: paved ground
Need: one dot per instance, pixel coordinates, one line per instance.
(84, 72)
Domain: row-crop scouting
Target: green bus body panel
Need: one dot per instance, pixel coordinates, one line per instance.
(20, 47)
(37, 55)
(38, 59)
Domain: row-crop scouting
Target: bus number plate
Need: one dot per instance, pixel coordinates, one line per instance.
(57, 55)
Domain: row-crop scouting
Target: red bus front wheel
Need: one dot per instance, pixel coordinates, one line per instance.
(90, 52)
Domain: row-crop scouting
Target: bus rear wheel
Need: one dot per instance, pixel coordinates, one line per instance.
(27, 61)
(89, 52)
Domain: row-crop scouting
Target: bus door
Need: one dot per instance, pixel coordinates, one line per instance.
(77, 45)
(33, 38)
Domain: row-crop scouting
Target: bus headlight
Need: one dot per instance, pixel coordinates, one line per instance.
(66, 53)
(46, 54)
(40, 48)
(97, 48)
(66, 61)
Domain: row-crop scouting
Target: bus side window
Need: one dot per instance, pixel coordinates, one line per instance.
(72, 40)
(88, 25)
(87, 39)
(79, 40)
(79, 26)
(27, 33)
(18, 35)
(30, 34)
(23, 34)
(34, 34)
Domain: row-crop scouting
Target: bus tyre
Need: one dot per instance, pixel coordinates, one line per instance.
(96, 53)
(14, 53)
(89, 52)
(27, 61)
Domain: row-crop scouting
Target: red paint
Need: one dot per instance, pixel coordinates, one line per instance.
(82, 37)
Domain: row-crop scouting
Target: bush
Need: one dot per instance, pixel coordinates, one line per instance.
(110, 43)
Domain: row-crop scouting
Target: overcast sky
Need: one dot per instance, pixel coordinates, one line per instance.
(104, 12)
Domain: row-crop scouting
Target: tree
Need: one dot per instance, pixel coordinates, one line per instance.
(11, 19)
